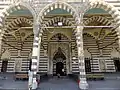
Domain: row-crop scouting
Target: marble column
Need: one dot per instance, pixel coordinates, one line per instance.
(34, 66)
(82, 74)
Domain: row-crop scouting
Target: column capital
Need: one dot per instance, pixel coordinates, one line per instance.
(79, 32)
(79, 28)
(36, 28)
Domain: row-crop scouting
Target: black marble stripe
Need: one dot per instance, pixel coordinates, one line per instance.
(34, 63)
(36, 46)
(34, 57)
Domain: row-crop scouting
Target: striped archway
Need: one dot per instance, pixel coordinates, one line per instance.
(14, 7)
(60, 19)
(110, 9)
(100, 19)
(16, 22)
(9, 31)
(107, 7)
(55, 5)
(51, 22)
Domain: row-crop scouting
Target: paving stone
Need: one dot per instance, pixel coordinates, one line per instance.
(61, 84)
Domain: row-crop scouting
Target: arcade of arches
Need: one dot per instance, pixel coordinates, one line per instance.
(58, 47)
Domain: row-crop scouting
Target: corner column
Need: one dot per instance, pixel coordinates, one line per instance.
(82, 74)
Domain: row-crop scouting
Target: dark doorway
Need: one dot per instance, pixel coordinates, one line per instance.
(4, 66)
(117, 65)
(87, 65)
(59, 67)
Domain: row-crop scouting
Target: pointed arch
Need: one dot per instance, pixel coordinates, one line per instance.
(59, 51)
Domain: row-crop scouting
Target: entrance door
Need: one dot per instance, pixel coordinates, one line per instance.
(59, 68)
(117, 65)
(4, 66)
(87, 65)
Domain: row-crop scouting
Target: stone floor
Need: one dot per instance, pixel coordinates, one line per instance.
(112, 82)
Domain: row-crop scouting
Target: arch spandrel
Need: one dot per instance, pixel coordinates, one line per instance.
(87, 54)
(115, 53)
(6, 54)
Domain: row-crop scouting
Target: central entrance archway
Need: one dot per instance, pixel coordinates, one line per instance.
(59, 51)
(59, 63)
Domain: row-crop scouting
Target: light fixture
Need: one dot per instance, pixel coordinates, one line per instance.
(74, 58)
(60, 23)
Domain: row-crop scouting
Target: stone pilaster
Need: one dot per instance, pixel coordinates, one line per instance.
(82, 74)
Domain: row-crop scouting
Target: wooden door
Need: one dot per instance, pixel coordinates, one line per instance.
(117, 65)
(4, 66)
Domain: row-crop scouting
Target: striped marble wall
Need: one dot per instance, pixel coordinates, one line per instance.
(10, 43)
(43, 63)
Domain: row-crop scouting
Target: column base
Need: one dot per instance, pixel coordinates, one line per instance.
(83, 85)
(34, 84)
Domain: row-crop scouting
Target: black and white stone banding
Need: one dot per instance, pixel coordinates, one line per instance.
(35, 54)
(82, 74)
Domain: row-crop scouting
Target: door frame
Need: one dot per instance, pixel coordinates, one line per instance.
(52, 48)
